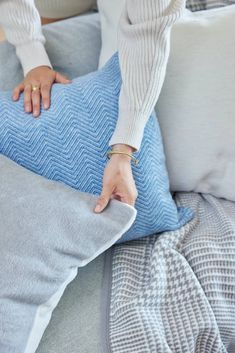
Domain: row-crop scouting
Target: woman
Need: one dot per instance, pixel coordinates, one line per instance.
(143, 46)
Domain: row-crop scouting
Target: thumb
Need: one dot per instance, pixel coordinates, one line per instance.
(61, 78)
(103, 200)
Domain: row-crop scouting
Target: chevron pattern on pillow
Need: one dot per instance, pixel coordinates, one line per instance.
(69, 142)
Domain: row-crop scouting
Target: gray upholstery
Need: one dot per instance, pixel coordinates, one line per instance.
(76, 323)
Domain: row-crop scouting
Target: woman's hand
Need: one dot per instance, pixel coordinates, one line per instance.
(43, 78)
(118, 181)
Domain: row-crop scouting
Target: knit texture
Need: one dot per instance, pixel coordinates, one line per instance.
(143, 44)
(22, 26)
(175, 292)
(69, 143)
(200, 5)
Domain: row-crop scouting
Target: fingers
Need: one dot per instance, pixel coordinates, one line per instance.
(17, 90)
(46, 94)
(61, 78)
(27, 98)
(128, 197)
(103, 199)
(36, 100)
(46, 89)
(42, 78)
(32, 98)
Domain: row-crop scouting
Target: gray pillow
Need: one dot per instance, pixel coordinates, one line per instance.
(47, 231)
(196, 107)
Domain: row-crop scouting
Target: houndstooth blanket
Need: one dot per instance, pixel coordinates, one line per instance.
(199, 5)
(175, 292)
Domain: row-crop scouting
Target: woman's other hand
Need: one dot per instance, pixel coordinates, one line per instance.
(118, 181)
(42, 78)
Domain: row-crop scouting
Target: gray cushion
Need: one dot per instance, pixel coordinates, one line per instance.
(48, 230)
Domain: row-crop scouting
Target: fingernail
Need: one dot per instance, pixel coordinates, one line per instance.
(27, 109)
(98, 208)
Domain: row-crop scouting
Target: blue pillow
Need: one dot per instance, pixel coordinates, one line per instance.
(69, 142)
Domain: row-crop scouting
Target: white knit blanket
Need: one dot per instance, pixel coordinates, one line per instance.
(175, 292)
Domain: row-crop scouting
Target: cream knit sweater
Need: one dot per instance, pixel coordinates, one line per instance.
(143, 45)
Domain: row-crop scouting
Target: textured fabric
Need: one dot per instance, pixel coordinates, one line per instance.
(199, 5)
(144, 29)
(140, 30)
(110, 13)
(176, 292)
(143, 47)
(22, 26)
(48, 230)
(70, 141)
(198, 133)
(143, 43)
(73, 46)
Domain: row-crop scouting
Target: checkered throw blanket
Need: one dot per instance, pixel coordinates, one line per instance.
(175, 292)
(198, 5)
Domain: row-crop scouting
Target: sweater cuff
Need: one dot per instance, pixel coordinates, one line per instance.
(129, 130)
(32, 55)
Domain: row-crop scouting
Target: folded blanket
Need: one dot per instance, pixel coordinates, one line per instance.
(176, 292)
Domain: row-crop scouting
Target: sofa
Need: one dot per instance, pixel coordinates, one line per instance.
(80, 322)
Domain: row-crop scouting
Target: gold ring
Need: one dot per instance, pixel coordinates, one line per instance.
(35, 88)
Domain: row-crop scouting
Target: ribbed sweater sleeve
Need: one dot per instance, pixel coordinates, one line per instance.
(22, 26)
(143, 46)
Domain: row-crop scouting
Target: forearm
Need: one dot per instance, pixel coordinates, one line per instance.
(143, 46)
(21, 23)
